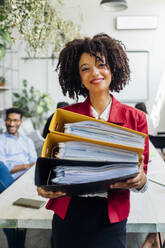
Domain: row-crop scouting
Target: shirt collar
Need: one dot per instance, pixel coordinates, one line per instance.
(11, 135)
(104, 115)
(117, 113)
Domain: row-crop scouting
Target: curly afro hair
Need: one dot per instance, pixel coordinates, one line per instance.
(102, 44)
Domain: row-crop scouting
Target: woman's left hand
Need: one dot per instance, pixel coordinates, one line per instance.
(137, 182)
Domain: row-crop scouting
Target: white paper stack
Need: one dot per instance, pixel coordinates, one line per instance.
(78, 150)
(101, 131)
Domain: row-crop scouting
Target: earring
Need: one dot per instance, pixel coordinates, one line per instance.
(82, 86)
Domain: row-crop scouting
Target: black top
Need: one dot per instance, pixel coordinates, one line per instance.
(46, 128)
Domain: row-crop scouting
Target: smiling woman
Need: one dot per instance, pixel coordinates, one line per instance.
(96, 67)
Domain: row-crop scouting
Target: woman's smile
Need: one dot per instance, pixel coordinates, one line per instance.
(96, 80)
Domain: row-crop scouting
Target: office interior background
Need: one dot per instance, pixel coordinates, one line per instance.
(144, 41)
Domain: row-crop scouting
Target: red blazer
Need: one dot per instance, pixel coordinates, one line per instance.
(118, 200)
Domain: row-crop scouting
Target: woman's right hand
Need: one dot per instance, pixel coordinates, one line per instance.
(49, 194)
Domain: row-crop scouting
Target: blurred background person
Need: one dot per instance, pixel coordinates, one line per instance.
(17, 151)
(142, 107)
(17, 155)
(46, 128)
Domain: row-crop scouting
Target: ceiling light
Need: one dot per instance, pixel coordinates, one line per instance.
(114, 5)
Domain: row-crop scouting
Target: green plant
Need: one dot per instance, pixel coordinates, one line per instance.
(5, 39)
(33, 103)
(40, 25)
(5, 43)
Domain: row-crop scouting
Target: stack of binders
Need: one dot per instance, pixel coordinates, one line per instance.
(83, 155)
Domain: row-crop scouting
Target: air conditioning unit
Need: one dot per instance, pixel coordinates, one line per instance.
(136, 22)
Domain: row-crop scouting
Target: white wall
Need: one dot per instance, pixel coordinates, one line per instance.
(95, 20)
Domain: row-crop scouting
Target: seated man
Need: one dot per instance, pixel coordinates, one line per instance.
(17, 151)
(17, 155)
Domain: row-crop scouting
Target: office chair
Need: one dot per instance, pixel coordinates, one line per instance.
(158, 141)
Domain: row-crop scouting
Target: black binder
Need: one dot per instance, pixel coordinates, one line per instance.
(44, 174)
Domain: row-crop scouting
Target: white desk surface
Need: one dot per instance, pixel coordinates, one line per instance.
(147, 210)
(147, 213)
(17, 216)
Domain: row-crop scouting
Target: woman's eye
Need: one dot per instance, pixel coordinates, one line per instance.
(85, 69)
(102, 65)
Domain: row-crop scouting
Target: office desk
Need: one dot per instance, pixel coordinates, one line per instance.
(147, 210)
(17, 216)
(147, 213)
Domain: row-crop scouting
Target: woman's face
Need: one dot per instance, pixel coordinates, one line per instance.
(95, 74)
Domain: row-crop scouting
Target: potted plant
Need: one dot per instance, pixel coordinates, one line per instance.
(2, 81)
(34, 104)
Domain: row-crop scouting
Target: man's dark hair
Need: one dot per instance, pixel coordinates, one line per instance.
(141, 106)
(99, 46)
(14, 110)
(62, 104)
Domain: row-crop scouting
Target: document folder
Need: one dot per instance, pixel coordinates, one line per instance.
(44, 175)
(79, 150)
(62, 117)
(47, 174)
(54, 138)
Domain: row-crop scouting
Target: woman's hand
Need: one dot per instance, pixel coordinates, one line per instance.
(137, 182)
(49, 194)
